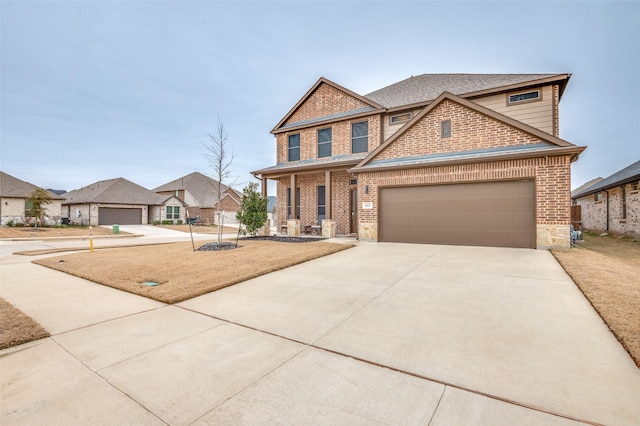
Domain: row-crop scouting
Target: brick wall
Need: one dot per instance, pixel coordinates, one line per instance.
(551, 175)
(340, 139)
(308, 185)
(325, 100)
(594, 213)
(469, 130)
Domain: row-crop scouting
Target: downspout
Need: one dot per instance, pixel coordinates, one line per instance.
(607, 228)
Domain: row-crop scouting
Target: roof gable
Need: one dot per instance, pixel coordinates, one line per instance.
(465, 116)
(113, 191)
(201, 187)
(325, 100)
(12, 187)
(427, 87)
(628, 174)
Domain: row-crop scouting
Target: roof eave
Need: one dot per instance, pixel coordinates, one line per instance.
(591, 191)
(307, 168)
(328, 121)
(554, 152)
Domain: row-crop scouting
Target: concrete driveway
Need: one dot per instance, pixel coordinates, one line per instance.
(378, 334)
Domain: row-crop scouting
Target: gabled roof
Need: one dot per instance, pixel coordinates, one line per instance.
(372, 104)
(113, 191)
(551, 143)
(630, 173)
(427, 87)
(12, 187)
(200, 186)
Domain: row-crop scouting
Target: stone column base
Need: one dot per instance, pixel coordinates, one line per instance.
(368, 231)
(293, 227)
(266, 229)
(553, 236)
(328, 229)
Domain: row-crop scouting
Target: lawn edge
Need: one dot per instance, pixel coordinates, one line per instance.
(340, 248)
(635, 359)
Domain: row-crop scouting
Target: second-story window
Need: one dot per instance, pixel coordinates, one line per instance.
(324, 143)
(360, 137)
(294, 147)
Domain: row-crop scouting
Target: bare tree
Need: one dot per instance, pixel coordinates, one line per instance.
(220, 159)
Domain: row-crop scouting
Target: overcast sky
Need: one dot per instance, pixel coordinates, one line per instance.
(99, 90)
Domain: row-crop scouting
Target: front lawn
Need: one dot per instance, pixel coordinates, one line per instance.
(181, 273)
(17, 328)
(53, 231)
(607, 271)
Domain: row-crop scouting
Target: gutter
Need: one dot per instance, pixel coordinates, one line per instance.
(607, 226)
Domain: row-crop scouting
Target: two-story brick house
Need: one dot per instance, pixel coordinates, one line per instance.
(469, 159)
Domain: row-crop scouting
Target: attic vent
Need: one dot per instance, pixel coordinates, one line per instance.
(400, 118)
(518, 98)
(445, 129)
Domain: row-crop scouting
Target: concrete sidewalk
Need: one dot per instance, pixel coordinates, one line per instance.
(381, 333)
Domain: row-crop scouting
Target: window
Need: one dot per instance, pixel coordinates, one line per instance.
(324, 142)
(294, 147)
(445, 129)
(597, 197)
(28, 206)
(173, 212)
(322, 212)
(400, 118)
(297, 203)
(360, 137)
(517, 98)
(624, 202)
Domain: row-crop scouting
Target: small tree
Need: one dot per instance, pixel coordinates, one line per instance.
(36, 204)
(253, 209)
(220, 160)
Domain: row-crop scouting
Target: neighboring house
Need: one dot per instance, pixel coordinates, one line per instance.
(469, 159)
(199, 193)
(120, 201)
(611, 204)
(14, 206)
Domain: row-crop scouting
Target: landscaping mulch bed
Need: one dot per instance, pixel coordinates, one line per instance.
(283, 239)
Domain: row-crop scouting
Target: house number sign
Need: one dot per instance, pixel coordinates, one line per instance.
(367, 205)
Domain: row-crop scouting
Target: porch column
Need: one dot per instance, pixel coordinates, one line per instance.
(327, 194)
(293, 224)
(266, 228)
(292, 193)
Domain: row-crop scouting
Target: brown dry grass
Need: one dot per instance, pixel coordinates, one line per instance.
(16, 328)
(201, 229)
(181, 272)
(607, 271)
(47, 232)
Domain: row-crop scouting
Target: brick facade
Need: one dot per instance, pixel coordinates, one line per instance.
(551, 175)
(594, 213)
(324, 101)
(340, 143)
(471, 129)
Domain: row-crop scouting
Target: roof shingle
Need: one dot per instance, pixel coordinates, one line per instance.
(426, 87)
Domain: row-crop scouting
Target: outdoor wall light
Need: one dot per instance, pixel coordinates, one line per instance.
(366, 189)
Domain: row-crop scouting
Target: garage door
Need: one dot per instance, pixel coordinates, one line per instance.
(498, 214)
(110, 216)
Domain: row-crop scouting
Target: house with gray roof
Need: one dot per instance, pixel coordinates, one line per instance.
(14, 205)
(120, 201)
(466, 159)
(200, 196)
(611, 204)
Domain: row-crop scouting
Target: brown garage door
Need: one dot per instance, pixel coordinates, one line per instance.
(498, 214)
(111, 215)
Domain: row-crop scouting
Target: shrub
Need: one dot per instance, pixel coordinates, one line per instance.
(10, 222)
(156, 222)
(167, 222)
(179, 222)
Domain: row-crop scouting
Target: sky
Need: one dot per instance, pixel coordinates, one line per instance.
(104, 89)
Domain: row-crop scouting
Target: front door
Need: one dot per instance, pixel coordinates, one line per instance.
(353, 208)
